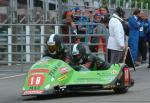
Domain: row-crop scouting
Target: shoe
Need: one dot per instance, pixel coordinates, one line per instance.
(137, 63)
(148, 66)
(132, 82)
(143, 61)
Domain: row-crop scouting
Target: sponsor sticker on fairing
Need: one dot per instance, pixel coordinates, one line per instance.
(126, 76)
(29, 92)
(39, 70)
(63, 70)
(62, 77)
(114, 72)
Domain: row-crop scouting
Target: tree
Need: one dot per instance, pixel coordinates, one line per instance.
(133, 3)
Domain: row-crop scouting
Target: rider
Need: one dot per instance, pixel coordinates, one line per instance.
(56, 49)
(82, 56)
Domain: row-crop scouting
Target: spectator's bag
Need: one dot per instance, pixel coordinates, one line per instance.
(125, 27)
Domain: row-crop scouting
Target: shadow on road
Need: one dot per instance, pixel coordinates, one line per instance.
(68, 95)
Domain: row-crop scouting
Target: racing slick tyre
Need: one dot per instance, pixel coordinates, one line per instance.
(121, 90)
(124, 81)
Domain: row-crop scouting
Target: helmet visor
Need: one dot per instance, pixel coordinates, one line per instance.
(52, 48)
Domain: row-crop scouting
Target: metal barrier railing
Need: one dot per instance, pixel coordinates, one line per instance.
(27, 45)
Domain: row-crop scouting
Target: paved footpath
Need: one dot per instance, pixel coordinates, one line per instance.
(144, 65)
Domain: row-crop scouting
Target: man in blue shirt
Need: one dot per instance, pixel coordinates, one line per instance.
(134, 25)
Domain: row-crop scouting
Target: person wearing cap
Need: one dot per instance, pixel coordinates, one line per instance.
(97, 18)
(77, 14)
(77, 11)
(56, 49)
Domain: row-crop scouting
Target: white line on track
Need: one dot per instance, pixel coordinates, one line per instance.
(2, 74)
(12, 76)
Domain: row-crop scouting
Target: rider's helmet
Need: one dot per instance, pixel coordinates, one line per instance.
(54, 43)
(78, 51)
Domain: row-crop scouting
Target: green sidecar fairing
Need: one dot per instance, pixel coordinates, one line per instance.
(48, 76)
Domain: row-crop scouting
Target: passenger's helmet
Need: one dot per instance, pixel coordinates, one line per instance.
(78, 51)
(54, 43)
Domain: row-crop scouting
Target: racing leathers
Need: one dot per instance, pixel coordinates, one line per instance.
(91, 62)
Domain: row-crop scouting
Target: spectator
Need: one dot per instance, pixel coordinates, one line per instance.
(105, 16)
(116, 40)
(104, 10)
(68, 19)
(142, 43)
(147, 38)
(95, 39)
(134, 25)
(90, 25)
(97, 18)
(81, 25)
(97, 11)
(77, 14)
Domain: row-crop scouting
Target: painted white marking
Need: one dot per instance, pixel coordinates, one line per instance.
(2, 74)
(12, 76)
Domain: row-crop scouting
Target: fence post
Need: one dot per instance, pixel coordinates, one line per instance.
(56, 30)
(27, 43)
(42, 40)
(9, 46)
(136, 4)
(147, 6)
(109, 4)
(141, 5)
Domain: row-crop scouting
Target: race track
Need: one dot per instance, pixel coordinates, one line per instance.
(11, 84)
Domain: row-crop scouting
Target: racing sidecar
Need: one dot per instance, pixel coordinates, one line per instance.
(48, 76)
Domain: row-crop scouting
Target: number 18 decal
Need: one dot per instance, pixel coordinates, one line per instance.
(36, 80)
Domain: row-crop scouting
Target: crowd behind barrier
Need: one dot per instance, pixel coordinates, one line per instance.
(28, 46)
(135, 23)
(25, 43)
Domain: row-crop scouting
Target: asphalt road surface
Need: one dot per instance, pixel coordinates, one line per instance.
(11, 84)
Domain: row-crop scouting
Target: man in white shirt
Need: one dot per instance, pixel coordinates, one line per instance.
(116, 40)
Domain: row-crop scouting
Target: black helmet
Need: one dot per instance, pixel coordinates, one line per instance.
(78, 48)
(120, 12)
(54, 43)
